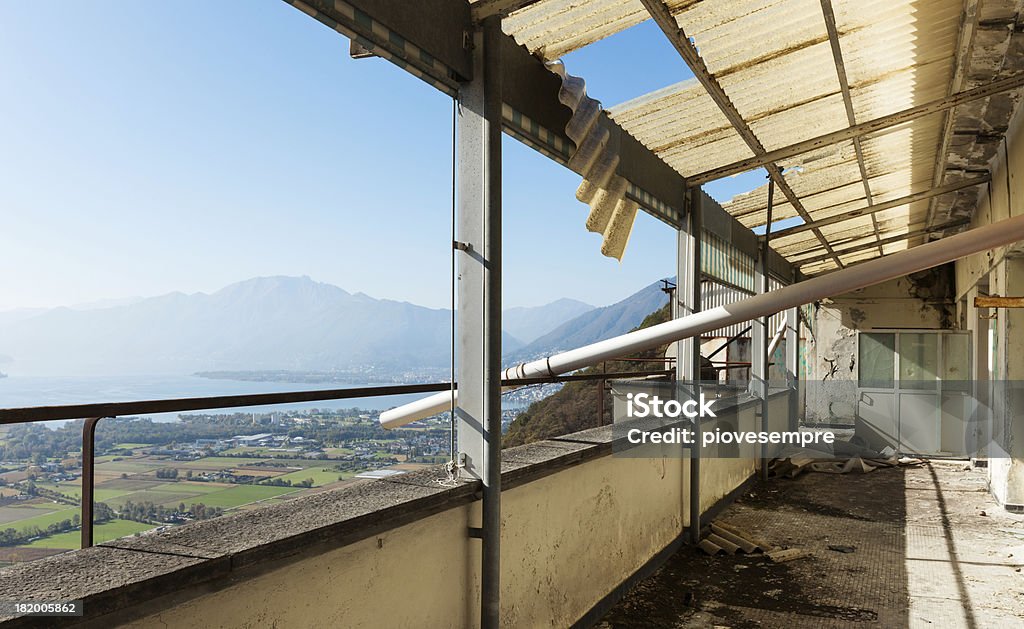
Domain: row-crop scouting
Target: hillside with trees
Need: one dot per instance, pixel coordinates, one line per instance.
(573, 408)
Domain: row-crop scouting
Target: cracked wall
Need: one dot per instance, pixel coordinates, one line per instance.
(920, 301)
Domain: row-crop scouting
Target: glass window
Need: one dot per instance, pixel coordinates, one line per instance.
(919, 360)
(876, 362)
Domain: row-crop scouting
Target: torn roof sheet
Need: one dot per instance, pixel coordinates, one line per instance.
(774, 60)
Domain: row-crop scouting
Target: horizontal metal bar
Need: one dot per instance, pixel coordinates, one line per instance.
(118, 409)
(885, 205)
(995, 301)
(884, 241)
(859, 130)
(177, 405)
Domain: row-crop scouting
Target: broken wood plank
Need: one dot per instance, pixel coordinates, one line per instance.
(995, 301)
(789, 554)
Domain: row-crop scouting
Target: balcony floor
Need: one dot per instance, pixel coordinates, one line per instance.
(926, 556)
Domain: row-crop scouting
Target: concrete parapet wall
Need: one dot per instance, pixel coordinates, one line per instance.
(576, 523)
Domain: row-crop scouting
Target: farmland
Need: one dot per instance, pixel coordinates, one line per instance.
(150, 475)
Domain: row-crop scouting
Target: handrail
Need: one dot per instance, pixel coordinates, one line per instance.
(176, 405)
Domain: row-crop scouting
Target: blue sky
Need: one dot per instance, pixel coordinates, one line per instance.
(153, 147)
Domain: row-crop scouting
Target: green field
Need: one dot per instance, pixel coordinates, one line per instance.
(75, 491)
(235, 496)
(42, 520)
(131, 446)
(319, 476)
(282, 463)
(130, 466)
(192, 487)
(156, 497)
(101, 533)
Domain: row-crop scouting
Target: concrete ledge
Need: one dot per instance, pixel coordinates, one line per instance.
(157, 569)
(122, 573)
(133, 577)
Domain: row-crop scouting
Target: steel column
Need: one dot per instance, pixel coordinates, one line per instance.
(687, 301)
(479, 297)
(793, 365)
(761, 335)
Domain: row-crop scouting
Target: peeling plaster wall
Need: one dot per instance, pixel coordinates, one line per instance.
(920, 301)
(1003, 271)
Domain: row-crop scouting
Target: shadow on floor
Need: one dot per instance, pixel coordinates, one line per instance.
(925, 554)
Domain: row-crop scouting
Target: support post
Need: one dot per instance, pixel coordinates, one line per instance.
(88, 480)
(793, 366)
(687, 301)
(479, 298)
(761, 336)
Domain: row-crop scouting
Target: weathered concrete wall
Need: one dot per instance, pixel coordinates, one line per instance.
(924, 300)
(568, 539)
(1000, 341)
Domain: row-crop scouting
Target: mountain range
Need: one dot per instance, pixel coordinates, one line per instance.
(282, 323)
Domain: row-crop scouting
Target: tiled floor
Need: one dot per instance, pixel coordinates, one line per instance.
(932, 550)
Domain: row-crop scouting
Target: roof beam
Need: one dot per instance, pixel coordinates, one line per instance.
(884, 241)
(860, 130)
(968, 26)
(851, 118)
(886, 205)
(662, 16)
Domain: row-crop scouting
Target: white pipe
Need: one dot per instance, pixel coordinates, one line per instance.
(849, 279)
(778, 336)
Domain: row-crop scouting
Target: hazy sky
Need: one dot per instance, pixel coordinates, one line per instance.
(153, 147)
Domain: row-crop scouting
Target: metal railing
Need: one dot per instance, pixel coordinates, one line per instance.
(93, 413)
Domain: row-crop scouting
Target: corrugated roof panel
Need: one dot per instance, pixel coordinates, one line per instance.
(774, 60)
(725, 31)
(554, 28)
(699, 140)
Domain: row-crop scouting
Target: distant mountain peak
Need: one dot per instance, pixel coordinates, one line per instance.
(277, 322)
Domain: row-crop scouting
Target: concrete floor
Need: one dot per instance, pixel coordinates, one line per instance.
(932, 550)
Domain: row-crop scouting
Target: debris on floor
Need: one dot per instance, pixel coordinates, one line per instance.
(840, 548)
(730, 540)
(787, 554)
(838, 458)
(923, 558)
